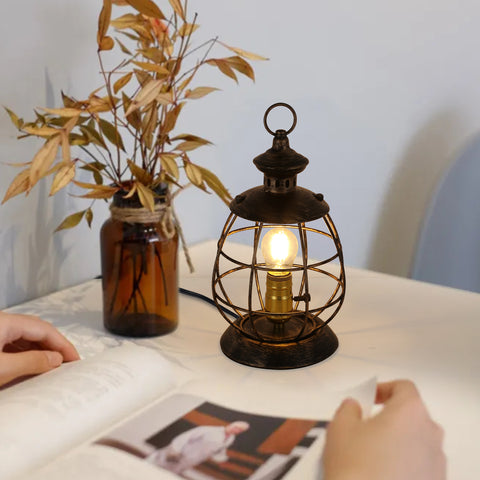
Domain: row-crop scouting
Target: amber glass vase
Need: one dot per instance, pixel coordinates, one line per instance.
(139, 269)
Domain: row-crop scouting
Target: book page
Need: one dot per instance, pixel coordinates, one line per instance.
(185, 436)
(52, 413)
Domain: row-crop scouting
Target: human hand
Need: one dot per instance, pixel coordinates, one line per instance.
(401, 442)
(29, 345)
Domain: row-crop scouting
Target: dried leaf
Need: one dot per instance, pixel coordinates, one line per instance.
(149, 124)
(57, 121)
(191, 138)
(54, 169)
(89, 216)
(167, 45)
(223, 66)
(95, 168)
(75, 139)
(41, 131)
(173, 66)
(146, 196)
(63, 112)
(152, 67)
(178, 8)
(92, 135)
(18, 122)
(145, 35)
(135, 38)
(92, 166)
(94, 93)
(185, 83)
(199, 92)
(68, 102)
(147, 7)
(111, 133)
(121, 82)
(146, 95)
(123, 48)
(40, 118)
(65, 148)
(43, 159)
(171, 119)
(20, 184)
(64, 176)
(107, 43)
(132, 191)
(17, 164)
(169, 163)
(93, 186)
(126, 21)
(139, 173)
(134, 118)
(98, 105)
(244, 53)
(215, 184)
(241, 66)
(165, 98)
(143, 77)
(68, 127)
(97, 177)
(71, 221)
(194, 174)
(189, 145)
(100, 194)
(104, 22)
(153, 54)
(187, 29)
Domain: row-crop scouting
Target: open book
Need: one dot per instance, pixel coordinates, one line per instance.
(119, 415)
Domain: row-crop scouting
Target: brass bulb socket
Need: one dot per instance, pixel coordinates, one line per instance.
(278, 296)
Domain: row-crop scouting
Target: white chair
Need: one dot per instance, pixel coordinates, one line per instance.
(448, 251)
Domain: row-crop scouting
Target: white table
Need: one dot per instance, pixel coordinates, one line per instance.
(389, 326)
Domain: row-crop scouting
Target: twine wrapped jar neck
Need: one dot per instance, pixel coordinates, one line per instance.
(130, 210)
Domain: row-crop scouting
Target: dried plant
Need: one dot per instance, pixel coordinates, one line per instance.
(140, 99)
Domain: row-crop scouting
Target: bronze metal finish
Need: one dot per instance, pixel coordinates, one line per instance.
(279, 323)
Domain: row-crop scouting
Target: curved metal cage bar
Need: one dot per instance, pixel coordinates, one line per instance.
(309, 313)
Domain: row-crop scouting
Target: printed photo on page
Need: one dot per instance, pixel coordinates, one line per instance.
(199, 440)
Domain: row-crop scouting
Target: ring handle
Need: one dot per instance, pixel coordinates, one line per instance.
(279, 104)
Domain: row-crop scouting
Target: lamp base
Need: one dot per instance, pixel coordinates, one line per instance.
(291, 354)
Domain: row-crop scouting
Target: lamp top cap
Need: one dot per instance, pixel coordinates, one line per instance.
(279, 199)
(280, 160)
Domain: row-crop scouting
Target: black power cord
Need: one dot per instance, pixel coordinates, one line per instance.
(200, 296)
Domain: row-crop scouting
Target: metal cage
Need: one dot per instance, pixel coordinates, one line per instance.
(300, 335)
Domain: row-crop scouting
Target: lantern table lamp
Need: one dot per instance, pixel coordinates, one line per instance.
(279, 322)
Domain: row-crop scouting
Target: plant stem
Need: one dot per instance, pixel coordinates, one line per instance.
(109, 175)
(107, 79)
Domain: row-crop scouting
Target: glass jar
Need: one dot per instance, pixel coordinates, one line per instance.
(139, 268)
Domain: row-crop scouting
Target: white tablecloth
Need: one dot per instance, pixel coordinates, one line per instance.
(389, 327)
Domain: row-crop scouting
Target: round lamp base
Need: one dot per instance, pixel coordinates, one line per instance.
(254, 353)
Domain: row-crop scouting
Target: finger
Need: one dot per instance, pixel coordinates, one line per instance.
(34, 329)
(396, 390)
(349, 413)
(21, 346)
(14, 365)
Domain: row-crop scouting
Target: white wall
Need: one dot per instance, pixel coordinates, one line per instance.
(385, 92)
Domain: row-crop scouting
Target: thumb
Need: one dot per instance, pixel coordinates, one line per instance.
(32, 362)
(348, 414)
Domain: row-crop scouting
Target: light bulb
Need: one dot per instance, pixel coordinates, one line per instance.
(279, 248)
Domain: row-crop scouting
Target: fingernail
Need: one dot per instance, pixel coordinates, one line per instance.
(348, 401)
(54, 358)
(343, 404)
